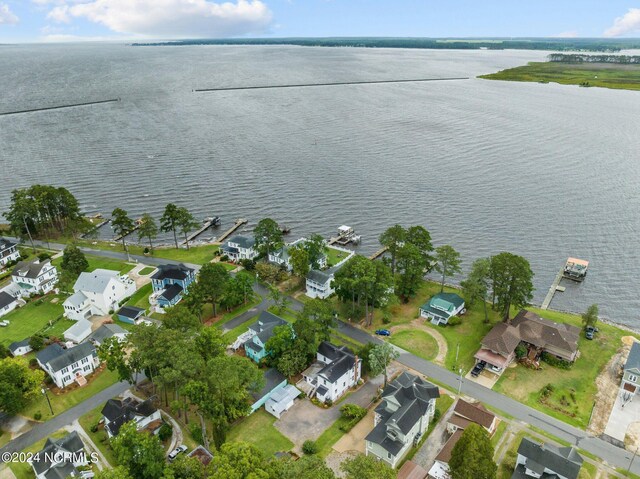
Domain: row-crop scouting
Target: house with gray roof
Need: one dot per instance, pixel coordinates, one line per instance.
(78, 332)
(442, 307)
(35, 277)
(282, 257)
(7, 303)
(170, 282)
(319, 284)
(262, 331)
(107, 331)
(336, 370)
(117, 412)
(277, 396)
(240, 247)
(403, 416)
(546, 461)
(20, 348)
(60, 458)
(8, 252)
(66, 366)
(631, 373)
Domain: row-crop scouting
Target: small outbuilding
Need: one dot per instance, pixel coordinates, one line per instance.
(20, 348)
(130, 314)
(79, 331)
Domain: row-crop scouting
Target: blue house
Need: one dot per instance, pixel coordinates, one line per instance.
(129, 314)
(442, 307)
(262, 331)
(169, 283)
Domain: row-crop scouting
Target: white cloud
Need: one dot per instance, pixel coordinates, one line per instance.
(628, 23)
(168, 18)
(567, 34)
(7, 17)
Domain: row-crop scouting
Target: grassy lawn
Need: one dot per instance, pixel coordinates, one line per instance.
(330, 436)
(603, 75)
(66, 400)
(99, 438)
(33, 317)
(230, 336)
(140, 298)
(258, 429)
(416, 342)
(5, 437)
(508, 464)
(145, 271)
(334, 256)
(498, 433)
(23, 470)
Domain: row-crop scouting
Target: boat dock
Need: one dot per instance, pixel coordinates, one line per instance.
(345, 236)
(135, 228)
(95, 228)
(239, 222)
(379, 253)
(206, 224)
(555, 286)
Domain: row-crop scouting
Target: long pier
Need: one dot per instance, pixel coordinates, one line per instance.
(306, 85)
(135, 228)
(239, 222)
(95, 228)
(60, 107)
(555, 286)
(205, 226)
(379, 253)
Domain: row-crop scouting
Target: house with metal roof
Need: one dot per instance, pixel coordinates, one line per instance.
(20, 348)
(276, 396)
(441, 307)
(107, 331)
(170, 281)
(7, 303)
(117, 412)
(537, 460)
(97, 293)
(281, 256)
(35, 277)
(631, 373)
(130, 314)
(240, 247)
(8, 252)
(403, 416)
(66, 366)
(262, 331)
(335, 371)
(78, 332)
(60, 458)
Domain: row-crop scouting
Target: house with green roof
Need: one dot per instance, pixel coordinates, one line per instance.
(442, 307)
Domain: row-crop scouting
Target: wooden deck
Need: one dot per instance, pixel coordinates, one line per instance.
(239, 222)
(555, 286)
(205, 226)
(135, 228)
(378, 253)
(95, 228)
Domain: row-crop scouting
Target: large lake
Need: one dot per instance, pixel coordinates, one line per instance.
(541, 170)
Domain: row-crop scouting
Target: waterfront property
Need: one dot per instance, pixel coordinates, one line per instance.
(7, 303)
(130, 314)
(281, 256)
(276, 396)
(403, 416)
(537, 334)
(631, 374)
(20, 348)
(34, 277)
(537, 460)
(240, 247)
(60, 458)
(259, 333)
(117, 412)
(319, 284)
(442, 307)
(66, 366)
(335, 371)
(170, 282)
(8, 252)
(97, 294)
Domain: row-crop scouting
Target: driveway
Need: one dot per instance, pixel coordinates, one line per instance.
(427, 453)
(622, 416)
(485, 378)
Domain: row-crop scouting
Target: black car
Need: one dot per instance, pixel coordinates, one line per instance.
(477, 369)
(589, 332)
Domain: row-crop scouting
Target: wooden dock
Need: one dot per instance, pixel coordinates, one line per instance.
(239, 222)
(379, 253)
(135, 228)
(205, 226)
(95, 228)
(555, 286)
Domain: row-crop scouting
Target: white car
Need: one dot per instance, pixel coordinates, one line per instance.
(178, 450)
(87, 474)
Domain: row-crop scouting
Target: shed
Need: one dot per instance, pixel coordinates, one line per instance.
(129, 314)
(78, 332)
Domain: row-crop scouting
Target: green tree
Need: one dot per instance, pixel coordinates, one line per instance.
(294, 360)
(4, 351)
(185, 467)
(238, 460)
(364, 353)
(411, 266)
(148, 229)
(181, 318)
(170, 221)
(119, 472)
(320, 311)
(419, 237)
(590, 316)
(280, 300)
(18, 384)
(194, 299)
(281, 341)
(186, 222)
(300, 264)
(140, 453)
(367, 467)
(512, 282)
(268, 272)
(380, 357)
(316, 248)
(212, 282)
(122, 224)
(113, 353)
(210, 343)
(74, 260)
(37, 342)
(268, 236)
(476, 287)
(307, 467)
(472, 456)
(447, 262)
(393, 238)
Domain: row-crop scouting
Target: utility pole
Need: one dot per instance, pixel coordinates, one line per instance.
(44, 393)
(24, 219)
(634, 456)
(460, 381)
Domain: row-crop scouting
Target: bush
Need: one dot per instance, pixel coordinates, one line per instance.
(248, 264)
(309, 447)
(555, 362)
(44, 256)
(224, 257)
(363, 353)
(436, 415)
(454, 321)
(37, 416)
(165, 432)
(94, 427)
(521, 351)
(352, 411)
(546, 391)
(146, 250)
(328, 403)
(196, 433)
(33, 362)
(37, 342)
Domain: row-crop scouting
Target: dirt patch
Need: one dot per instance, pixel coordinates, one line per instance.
(442, 343)
(608, 383)
(335, 459)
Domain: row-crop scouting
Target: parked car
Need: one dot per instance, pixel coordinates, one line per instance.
(87, 474)
(383, 332)
(178, 450)
(478, 368)
(590, 332)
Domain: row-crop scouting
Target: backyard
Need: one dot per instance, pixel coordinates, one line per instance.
(334, 256)
(417, 342)
(37, 315)
(258, 429)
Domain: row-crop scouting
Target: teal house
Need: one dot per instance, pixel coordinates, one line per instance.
(262, 331)
(277, 396)
(442, 307)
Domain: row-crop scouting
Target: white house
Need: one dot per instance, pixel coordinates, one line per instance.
(340, 370)
(281, 256)
(545, 460)
(8, 252)
(78, 332)
(319, 284)
(7, 303)
(97, 293)
(403, 416)
(66, 366)
(60, 458)
(20, 348)
(107, 331)
(631, 374)
(442, 307)
(117, 412)
(240, 247)
(35, 277)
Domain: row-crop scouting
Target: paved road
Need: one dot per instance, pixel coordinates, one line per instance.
(45, 429)
(613, 455)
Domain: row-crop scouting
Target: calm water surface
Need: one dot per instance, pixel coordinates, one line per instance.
(545, 171)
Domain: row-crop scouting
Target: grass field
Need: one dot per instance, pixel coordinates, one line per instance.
(416, 342)
(98, 262)
(34, 317)
(99, 438)
(334, 256)
(140, 298)
(258, 429)
(604, 75)
(147, 270)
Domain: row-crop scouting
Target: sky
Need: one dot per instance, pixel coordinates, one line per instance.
(85, 20)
